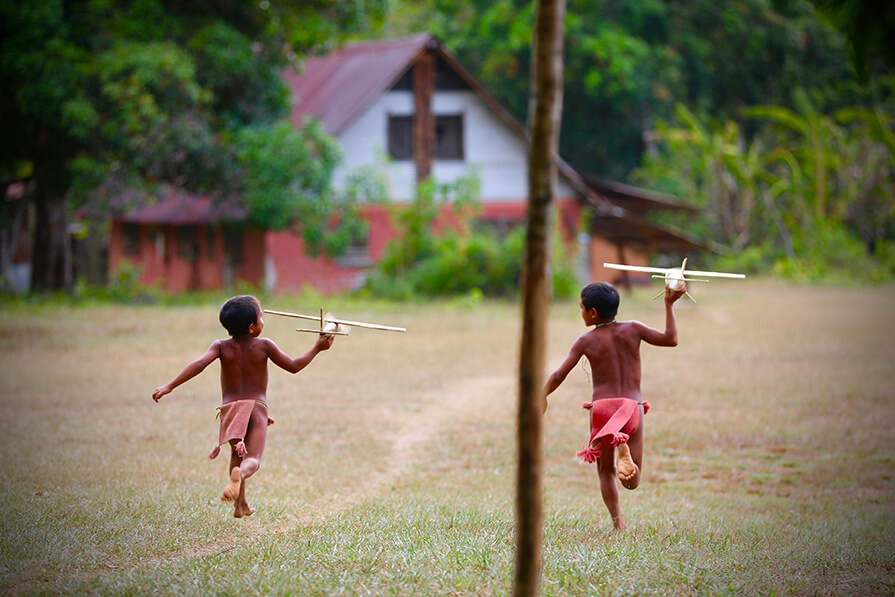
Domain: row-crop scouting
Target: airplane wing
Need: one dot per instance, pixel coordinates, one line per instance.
(361, 324)
(344, 322)
(324, 332)
(693, 272)
(638, 268)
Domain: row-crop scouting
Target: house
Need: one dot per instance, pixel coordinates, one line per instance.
(408, 107)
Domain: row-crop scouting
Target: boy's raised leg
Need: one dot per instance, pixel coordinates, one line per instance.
(628, 471)
(234, 481)
(630, 458)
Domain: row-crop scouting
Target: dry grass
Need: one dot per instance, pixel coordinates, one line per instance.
(770, 456)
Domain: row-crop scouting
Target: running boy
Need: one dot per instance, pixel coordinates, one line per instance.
(243, 409)
(613, 350)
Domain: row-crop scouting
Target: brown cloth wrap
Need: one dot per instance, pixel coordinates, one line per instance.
(235, 418)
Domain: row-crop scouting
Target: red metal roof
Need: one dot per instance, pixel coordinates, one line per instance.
(183, 209)
(337, 87)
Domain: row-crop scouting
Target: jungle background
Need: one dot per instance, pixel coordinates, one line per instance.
(775, 118)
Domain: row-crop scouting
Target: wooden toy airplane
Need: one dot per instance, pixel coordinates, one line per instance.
(329, 326)
(673, 276)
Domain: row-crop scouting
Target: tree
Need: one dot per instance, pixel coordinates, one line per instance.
(819, 137)
(869, 26)
(124, 95)
(546, 109)
(630, 63)
(798, 195)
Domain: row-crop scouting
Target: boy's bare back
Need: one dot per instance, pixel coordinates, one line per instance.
(613, 352)
(244, 368)
(244, 365)
(612, 349)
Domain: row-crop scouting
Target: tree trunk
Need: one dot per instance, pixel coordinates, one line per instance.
(51, 267)
(12, 213)
(547, 109)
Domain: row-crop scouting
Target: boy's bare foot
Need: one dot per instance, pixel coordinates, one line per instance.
(619, 524)
(628, 472)
(241, 511)
(231, 490)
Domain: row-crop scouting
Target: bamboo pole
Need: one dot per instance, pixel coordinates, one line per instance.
(547, 110)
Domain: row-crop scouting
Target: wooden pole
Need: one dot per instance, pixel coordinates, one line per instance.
(545, 122)
(626, 277)
(424, 121)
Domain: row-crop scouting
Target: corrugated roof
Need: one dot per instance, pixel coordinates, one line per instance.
(634, 198)
(337, 87)
(622, 224)
(632, 230)
(184, 209)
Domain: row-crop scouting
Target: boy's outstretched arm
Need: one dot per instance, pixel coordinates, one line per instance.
(284, 361)
(190, 371)
(557, 377)
(669, 336)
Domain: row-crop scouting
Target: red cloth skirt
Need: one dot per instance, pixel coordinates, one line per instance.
(613, 420)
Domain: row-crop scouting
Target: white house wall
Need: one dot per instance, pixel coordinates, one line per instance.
(364, 144)
(491, 148)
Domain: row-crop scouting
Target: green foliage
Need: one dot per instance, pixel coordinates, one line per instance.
(458, 261)
(109, 97)
(416, 239)
(809, 197)
(228, 67)
(286, 179)
(629, 63)
(868, 26)
(828, 251)
(123, 288)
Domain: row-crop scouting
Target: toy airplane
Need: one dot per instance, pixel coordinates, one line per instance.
(673, 276)
(329, 326)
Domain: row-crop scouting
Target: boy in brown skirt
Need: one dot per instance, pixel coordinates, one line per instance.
(243, 408)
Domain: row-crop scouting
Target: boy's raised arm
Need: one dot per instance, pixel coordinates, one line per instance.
(190, 371)
(669, 336)
(284, 361)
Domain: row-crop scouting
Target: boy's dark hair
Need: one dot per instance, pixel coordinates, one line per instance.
(601, 296)
(238, 313)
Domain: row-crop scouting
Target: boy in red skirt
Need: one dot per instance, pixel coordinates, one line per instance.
(613, 350)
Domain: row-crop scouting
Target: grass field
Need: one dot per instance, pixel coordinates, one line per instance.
(769, 465)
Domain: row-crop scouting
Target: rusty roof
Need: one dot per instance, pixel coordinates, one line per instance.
(626, 223)
(337, 87)
(179, 208)
(634, 230)
(634, 198)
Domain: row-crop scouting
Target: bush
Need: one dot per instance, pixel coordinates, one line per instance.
(826, 251)
(460, 262)
(456, 265)
(123, 287)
